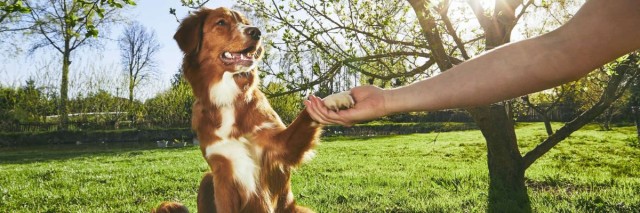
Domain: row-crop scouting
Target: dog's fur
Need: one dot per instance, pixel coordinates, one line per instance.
(248, 148)
(170, 207)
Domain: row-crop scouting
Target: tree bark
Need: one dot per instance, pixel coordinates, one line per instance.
(64, 88)
(131, 87)
(507, 190)
(636, 118)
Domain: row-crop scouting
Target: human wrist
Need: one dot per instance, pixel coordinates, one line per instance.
(391, 102)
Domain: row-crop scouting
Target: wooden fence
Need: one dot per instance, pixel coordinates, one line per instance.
(88, 126)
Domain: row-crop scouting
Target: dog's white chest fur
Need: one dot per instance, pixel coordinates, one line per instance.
(225, 91)
(243, 155)
(243, 161)
(227, 120)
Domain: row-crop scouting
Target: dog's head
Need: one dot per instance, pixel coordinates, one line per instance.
(223, 36)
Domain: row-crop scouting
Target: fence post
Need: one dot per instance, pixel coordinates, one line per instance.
(635, 110)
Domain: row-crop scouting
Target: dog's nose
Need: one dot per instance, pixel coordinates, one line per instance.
(254, 32)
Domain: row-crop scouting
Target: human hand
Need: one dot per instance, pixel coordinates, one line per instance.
(369, 104)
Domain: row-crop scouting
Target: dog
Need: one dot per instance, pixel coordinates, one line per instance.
(170, 207)
(249, 149)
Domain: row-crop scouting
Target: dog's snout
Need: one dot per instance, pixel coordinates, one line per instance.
(254, 33)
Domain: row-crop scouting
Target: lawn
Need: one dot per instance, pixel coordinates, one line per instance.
(592, 171)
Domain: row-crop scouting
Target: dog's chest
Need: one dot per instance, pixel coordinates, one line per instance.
(224, 92)
(230, 87)
(227, 122)
(235, 145)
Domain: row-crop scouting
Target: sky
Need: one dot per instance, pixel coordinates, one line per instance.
(153, 14)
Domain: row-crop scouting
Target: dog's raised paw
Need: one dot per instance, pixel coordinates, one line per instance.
(342, 100)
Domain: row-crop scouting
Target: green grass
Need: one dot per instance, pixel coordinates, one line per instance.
(592, 171)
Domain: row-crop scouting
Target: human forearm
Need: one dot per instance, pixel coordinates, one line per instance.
(486, 79)
(594, 37)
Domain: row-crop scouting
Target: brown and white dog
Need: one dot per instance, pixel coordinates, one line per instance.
(248, 148)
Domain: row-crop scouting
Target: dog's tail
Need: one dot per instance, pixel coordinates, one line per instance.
(170, 207)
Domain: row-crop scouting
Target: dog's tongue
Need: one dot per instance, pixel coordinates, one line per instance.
(237, 58)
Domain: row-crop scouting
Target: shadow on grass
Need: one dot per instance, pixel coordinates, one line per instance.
(37, 154)
(355, 138)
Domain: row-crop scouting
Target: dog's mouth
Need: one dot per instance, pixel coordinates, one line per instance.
(244, 57)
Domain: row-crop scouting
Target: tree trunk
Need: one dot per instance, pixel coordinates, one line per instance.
(131, 85)
(636, 118)
(547, 124)
(608, 116)
(131, 114)
(64, 88)
(507, 191)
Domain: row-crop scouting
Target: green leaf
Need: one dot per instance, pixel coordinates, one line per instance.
(91, 31)
(100, 12)
(25, 10)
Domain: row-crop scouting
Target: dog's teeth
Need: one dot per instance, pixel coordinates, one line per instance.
(227, 55)
(242, 57)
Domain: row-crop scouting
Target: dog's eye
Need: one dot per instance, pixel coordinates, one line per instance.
(221, 23)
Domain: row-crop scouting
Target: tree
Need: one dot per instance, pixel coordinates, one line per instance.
(593, 85)
(11, 9)
(66, 25)
(138, 47)
(412, 41)
(343, 41)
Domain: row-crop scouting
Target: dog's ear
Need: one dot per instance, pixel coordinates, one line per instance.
(189, 32)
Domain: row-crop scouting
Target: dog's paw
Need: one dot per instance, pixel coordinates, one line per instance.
(339, 101)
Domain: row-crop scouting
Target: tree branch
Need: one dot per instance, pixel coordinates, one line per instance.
(479, 12)
(451, 31)
(431, 33)
(616, 86)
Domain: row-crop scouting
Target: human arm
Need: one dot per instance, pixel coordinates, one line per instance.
(600, 32)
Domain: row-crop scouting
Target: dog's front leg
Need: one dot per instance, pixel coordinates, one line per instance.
(298, 138)
(226, 195)
(302, 134)
(206, 199)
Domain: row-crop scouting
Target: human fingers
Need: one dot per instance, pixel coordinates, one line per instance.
(326, 114)
(313, 112)
(316, 111)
